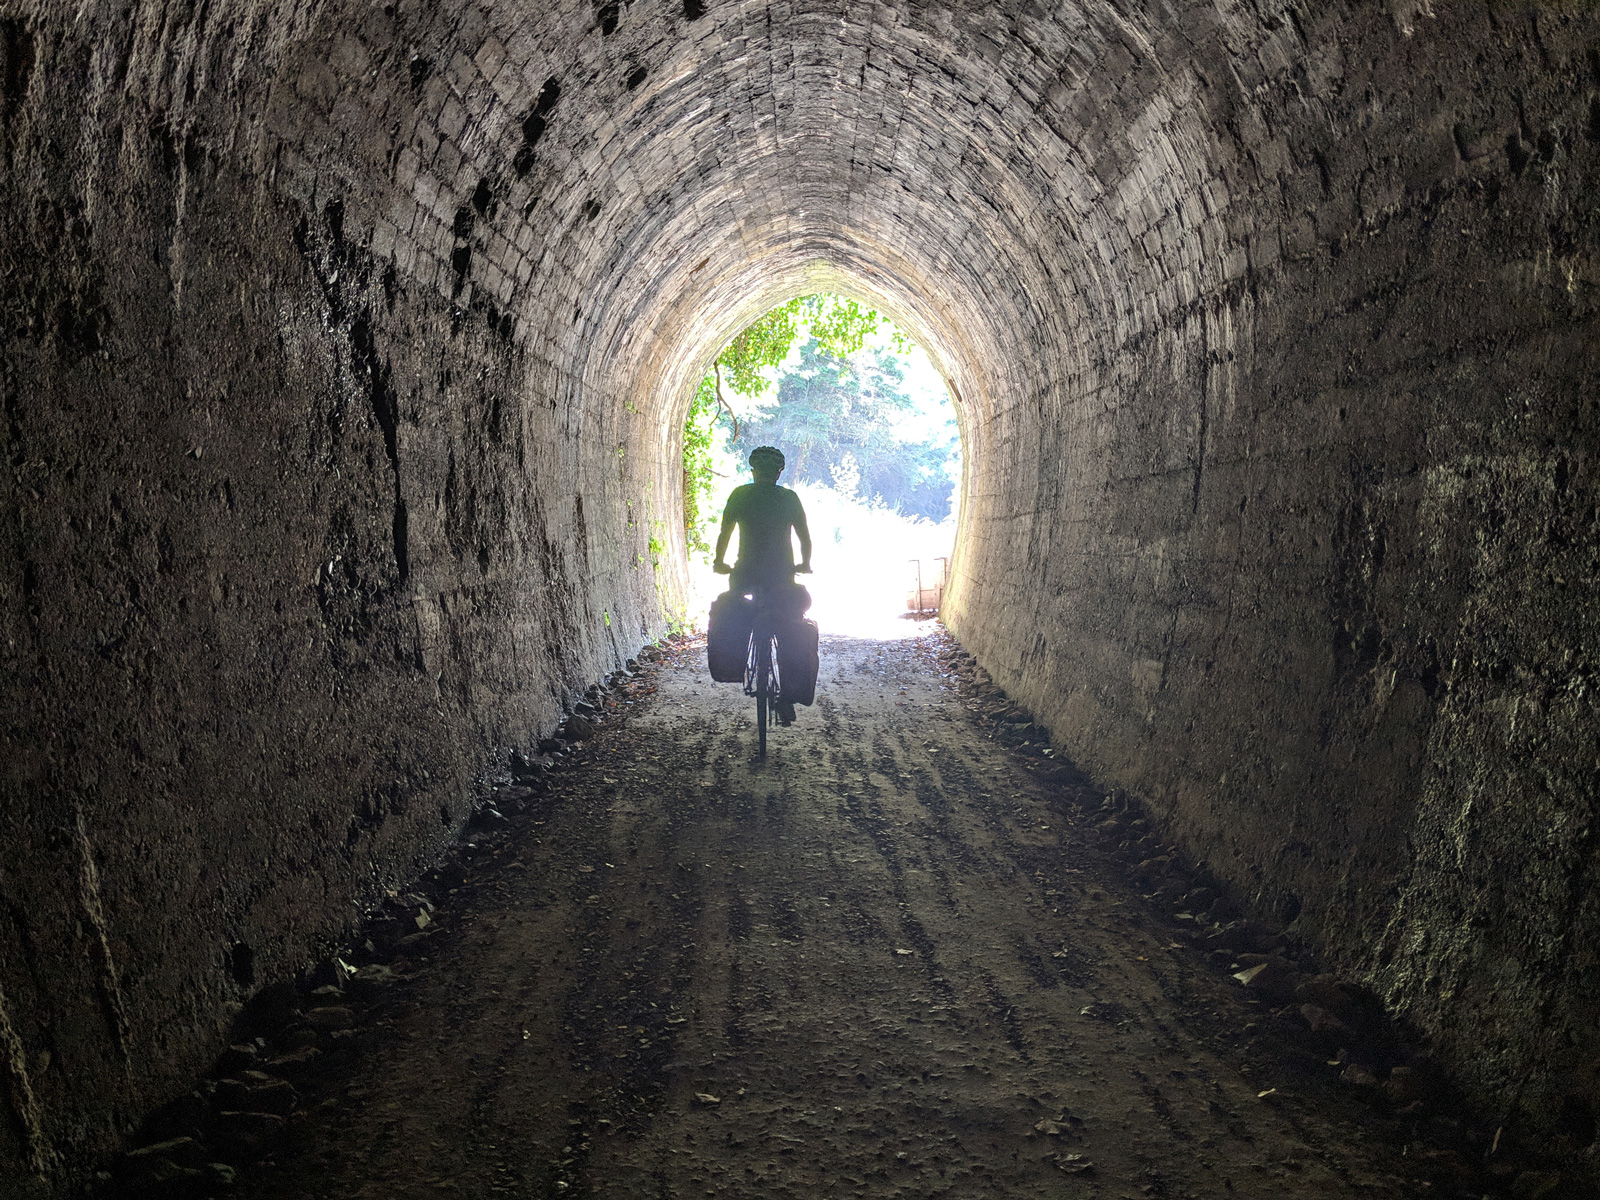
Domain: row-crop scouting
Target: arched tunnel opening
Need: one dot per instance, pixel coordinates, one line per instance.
(347, 348)
(866, 425)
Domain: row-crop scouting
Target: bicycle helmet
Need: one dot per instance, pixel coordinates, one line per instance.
(771, 454)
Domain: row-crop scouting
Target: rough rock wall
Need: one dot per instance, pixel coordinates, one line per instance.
(297, 543)
(346, 347)
(1308, 558)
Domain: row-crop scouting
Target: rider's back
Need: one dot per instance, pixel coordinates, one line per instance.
(764, 514)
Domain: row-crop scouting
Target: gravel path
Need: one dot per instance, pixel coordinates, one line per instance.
(887, 962)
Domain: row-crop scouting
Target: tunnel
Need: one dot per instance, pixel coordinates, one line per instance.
(347, 353)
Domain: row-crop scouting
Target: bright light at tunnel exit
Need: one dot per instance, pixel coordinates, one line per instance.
(868, 551)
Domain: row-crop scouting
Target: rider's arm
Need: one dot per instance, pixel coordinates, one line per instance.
(804, 532)
(728, 521)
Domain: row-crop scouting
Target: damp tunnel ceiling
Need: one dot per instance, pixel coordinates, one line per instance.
(347, 349)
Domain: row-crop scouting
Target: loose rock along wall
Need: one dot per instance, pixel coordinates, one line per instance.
(346, 347)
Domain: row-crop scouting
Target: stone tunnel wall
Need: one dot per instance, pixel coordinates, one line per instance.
(1308, 561)
(300, 539)
(346, 347)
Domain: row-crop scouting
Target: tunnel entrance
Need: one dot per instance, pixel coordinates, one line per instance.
(872, 447)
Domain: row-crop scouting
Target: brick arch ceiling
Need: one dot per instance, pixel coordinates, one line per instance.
(1027, 188)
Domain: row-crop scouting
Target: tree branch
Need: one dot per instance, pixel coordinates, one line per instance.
(722, 402)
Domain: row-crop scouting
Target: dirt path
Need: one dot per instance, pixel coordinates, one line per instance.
(887, 962)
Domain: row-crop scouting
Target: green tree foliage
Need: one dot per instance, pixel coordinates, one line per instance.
(838, 323)
(836, 421)
(699, 431)
(835, 416)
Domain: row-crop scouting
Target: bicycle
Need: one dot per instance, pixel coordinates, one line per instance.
(770, 618)
(762, 678)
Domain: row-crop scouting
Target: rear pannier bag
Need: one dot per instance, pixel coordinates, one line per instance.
(797, 661)
(728, 637)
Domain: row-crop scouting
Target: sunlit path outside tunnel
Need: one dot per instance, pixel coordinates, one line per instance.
(866, 577)
(865, 580)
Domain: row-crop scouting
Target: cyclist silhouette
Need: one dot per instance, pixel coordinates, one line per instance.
(764, 513)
